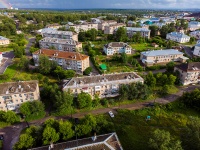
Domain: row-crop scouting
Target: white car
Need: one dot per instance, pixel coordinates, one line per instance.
(111, 114)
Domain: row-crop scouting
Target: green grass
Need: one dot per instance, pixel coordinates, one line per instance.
(5, 49)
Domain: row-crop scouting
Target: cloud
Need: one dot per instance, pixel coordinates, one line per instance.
(72, 4)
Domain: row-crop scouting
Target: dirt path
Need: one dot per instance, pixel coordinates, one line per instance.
(11, 133)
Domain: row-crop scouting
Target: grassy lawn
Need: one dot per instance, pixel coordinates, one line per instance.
(134, 131)
(5, 48)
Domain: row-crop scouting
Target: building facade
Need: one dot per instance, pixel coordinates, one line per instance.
(196, 51)
(189, 73)
(13, 94)
(178, 37)
(195, 34)
(4, 41)
(101, 85)
(193, 25)
(116, 48)
(153, 57)
(133, 30)
(111, 28)
(68, 60)
(1, 58)
(102, 24)
(85, 26)
(60, 44)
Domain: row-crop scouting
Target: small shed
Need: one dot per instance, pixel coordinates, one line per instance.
(103, 67)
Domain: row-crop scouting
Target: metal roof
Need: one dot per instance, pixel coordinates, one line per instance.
(161, 52)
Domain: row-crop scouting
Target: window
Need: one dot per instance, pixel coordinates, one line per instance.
(21, 100)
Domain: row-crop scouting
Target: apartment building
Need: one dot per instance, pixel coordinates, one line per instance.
(13, 94)
(189, 73)
(111, 28)
(117, 47)
(108, 141)
(54, 26)
(68, 60)
(196, 51)
(178, 37)
(4, 41)
(133, 30)
(193, 25)
(52, 33)
(102, 85)
(85, 26)
(102, 24)
(195, 34)
(153, 57)
(60, 44)
(131, 23)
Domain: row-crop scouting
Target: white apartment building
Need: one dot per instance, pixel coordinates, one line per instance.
(1, 58)
(196, 51)
(49, 32)
(85, 26)
(102, 24)
(189, 72)
(111, 28)
(4, 41)
(195, 34)
(13, 94)
(178, 37)
(117, 47)
(193, 25)
(153, 57)
(133, 30)
(102, 85)
(68, 60)
(60, 44)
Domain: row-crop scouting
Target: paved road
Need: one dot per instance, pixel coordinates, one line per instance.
(8, 56)
(12, 133)
(31, 41)
(188, 51)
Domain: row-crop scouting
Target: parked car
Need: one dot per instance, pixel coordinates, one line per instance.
(111, 114)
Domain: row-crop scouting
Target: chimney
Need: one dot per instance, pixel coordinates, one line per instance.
(94, 137)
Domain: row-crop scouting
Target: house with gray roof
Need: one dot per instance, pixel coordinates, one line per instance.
(196, 51)
(193, 25)
(153, 57)
(195, 34)
(4, 41)
(178, 37)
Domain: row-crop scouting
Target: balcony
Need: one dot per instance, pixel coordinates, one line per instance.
(8, 102)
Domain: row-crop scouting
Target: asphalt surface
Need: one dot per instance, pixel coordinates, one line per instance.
(11, 133)
(188, 51)
(8, 56)
(31, 41)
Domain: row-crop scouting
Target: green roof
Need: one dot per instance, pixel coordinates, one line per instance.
(103, 66)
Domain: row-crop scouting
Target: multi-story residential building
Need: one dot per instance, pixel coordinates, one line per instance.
(130, 23)
(189, 73)
(196, 51)
(85, 26)
(97, 142)
(178, 37)
(4, 41)
(111, 28)
(193, 25)
(133, 30)
(195, 34)
(60, 44)
(13, 94)
(117, 47)
(68, 60)
(59, 34)
(95, 20)
(102, 85)
(150, 58)
(102, 24)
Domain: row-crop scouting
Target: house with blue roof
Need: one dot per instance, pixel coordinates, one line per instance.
(153, 57)
(178, 37)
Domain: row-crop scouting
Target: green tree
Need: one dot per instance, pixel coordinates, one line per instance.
(82, 37)
(170, 67)
(63, 74)
(65, 130)
(163, 31)
(49, 135)
(23, 63)
(124, 58)
(26, 141)
(162, 140)
(150, 80)
(84, 100)
(192, 40)
(153, 29)
(19, 51)
(44, 64)
(171, 79)
(121, 35)
(87, 71)
(11, 117)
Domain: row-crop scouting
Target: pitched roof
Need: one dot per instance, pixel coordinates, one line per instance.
(135, 29)
(61, 54)
(193, 66)
(161, 52)
(117, 44)
(178, 34)
(57, 40)
(18, 87)
(102, 142)
(3, 38)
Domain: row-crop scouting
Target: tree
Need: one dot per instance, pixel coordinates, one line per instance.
(170, 67)
(150, 80)
(171, 79)
(124, 58)
(26, 141)
(153, 29)
(63, 74)
(192, 40)
(92, 34)
(44, 64)
(19, 51)
(162, 140)
(87, 71)
(49, 135)
(23, 63)
(65, 130)
(164, 31)
(81, 37)
(123, 92)
(11, 117)
(84, 100)
(121, 35)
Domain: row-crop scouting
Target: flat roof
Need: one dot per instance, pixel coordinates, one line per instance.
(161, 52)
(137, 29)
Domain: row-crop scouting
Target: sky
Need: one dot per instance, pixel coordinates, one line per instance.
(85, 4)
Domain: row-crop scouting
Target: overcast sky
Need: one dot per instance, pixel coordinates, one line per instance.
(73, 4)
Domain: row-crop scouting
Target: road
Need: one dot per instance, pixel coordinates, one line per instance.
(8, 56)
(11, 133)
(188, 51)
(31, 41)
